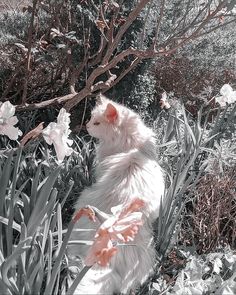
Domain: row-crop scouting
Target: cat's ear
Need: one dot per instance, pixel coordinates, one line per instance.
(111, 113)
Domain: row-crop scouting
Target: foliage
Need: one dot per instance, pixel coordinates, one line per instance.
(32, 231)
(207, 274)
(186, 153)
(34, 194)
(212, 273)
(30, 178)
(142, 98)
(209, 221)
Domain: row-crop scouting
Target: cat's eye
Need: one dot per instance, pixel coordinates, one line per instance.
(96, 123)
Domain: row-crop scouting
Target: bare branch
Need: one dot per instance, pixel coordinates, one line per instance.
(10, 84)
(75, 73)
(44, 104)
(97, 57)
(185, 31)
(159, 23)
(133, 64)
(216, 28)
(144, 24)
(193, 23)
(28, 59)
(197, 31)
(132, 16)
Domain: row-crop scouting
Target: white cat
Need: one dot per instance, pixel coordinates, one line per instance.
(127, 169)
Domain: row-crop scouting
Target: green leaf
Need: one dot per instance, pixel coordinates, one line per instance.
(11, 260)
(42, 199)
(45, 212)
(15, 225)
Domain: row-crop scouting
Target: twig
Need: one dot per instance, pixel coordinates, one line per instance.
(110, 61)
(133, 64)
(159, 23)
(83, 116)
(44, 104)
(17, 71)
(28, 59)
(132, 16)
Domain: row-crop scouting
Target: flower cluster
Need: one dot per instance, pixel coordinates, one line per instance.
(228, 96)
(8, 120)
(122, 227)
(57, 134)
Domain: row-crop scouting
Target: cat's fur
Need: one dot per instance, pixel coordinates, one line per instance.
(126, 169)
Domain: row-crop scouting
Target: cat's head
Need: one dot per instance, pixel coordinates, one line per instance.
(105, 119)
(117, 125)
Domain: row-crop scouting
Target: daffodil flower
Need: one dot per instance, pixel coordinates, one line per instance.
(228, 96)
(122, 226)
(57, 134)
(8, 120)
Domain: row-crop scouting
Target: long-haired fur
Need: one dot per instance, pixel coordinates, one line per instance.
(126, 169)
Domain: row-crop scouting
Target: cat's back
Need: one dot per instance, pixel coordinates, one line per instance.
(128, 164)
(130, 175)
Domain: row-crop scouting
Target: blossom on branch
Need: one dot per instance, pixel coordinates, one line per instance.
(57, 134)
(228, 96)
(8, 120)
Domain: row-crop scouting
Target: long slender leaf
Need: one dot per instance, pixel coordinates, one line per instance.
(4, 180)
(15, 225)
(11, 206)
(43, 197)
(58, 261)
(38, 220)
(34, 188)
(9, 262)
(78, 280)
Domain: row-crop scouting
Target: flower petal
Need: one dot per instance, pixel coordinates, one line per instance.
(11, 131)
(63, 119)
(87, 211)
(57, 134)
(101, 251)
(12, 120)
(135, 205)
(7, 110)
(222, 100)
(226, 90)
(122, 226)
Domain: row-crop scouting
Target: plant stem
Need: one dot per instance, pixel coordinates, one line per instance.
(79, 277)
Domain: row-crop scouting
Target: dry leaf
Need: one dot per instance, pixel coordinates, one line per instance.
(32, 134)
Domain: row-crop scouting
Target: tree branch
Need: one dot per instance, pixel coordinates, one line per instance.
(95, 83)
(159, 23)
(44, 104)
(132, 16)
(29, 47)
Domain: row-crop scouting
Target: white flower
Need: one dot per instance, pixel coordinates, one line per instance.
(8, 120)
(228, 95)
(57, 134)
(164, 101)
